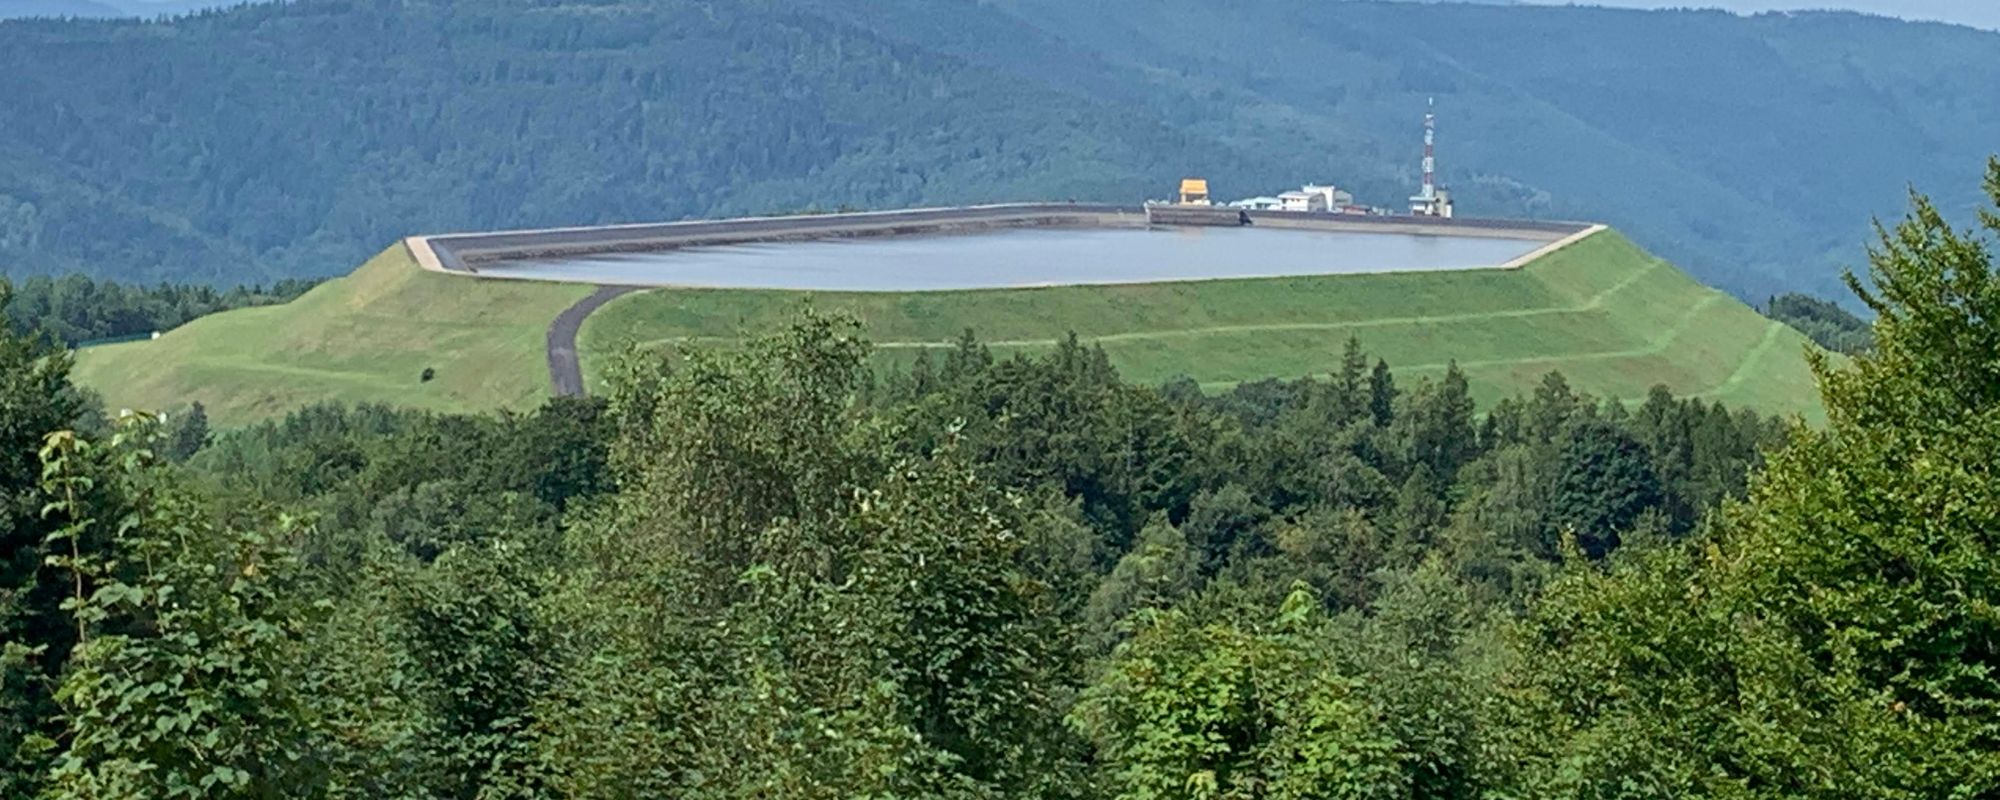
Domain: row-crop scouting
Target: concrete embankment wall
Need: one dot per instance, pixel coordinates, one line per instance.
(463, 253)
(1534, 230)
(1200, 216)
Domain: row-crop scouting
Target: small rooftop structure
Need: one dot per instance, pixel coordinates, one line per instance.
(1194, 192)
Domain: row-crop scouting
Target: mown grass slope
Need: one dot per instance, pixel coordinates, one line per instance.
(1613, 319)
(367, 337)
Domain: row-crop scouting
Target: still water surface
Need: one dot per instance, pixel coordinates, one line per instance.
(1026, 257)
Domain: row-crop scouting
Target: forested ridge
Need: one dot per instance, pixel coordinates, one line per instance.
(766, 571)
(13, 9)
(332, 127)
(75, 309)
(1829, 325)
(287, 140)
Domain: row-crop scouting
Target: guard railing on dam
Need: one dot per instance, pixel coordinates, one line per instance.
(1436, 226)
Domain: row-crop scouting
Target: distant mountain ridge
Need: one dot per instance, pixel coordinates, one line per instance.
(1956, 12)
(89, 9)
(106, 9)
(278, 140)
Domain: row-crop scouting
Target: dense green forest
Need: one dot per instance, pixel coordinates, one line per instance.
(765, 572)
(286, 140)
(1829, 325)
(75, 309)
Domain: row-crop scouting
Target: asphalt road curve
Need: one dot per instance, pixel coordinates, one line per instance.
(565, 370)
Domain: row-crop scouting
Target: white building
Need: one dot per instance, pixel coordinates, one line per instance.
(1335, 198)
(1302, 200)
(1313, 198)
(1435, 203)
(1259, 204)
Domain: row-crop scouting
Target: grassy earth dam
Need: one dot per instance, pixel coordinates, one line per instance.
(984, 247)
(1578, 299)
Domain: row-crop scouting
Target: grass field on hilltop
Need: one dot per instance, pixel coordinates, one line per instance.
(366, 337)
(1613, 319)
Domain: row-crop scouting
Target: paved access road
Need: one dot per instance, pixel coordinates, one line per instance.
(565, 369)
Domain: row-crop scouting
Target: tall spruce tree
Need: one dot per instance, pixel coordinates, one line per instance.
(1381, 394)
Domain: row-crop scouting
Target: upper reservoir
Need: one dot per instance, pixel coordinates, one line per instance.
(1021, 257)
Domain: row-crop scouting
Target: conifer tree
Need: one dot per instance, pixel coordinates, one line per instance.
(1381, 394)
(1835, 637)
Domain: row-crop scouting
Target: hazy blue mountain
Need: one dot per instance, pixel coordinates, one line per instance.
(16, 9)
(271, 141)
(1977, 13)
(106, 9)
(155, 8)
(1753, 150)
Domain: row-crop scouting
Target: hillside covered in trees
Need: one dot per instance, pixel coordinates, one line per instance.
(761, 572)
(1829, 325)
(294, 139)
(76, 310)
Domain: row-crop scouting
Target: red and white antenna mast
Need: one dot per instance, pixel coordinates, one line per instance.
(1431, 202)
(1430, 150)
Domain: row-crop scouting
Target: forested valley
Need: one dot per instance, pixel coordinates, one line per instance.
(767, 571)
(286, 140)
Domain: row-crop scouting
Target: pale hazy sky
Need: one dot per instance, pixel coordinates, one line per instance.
(1979, 13)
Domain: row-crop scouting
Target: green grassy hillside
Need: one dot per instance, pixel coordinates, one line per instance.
(366, 337)
(1612, 318)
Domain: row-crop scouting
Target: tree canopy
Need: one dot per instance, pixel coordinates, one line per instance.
(767, 571)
